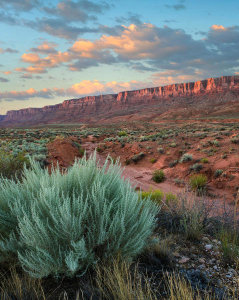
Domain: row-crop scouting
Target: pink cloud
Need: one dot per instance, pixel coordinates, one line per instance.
(218, 27)
(83, 88)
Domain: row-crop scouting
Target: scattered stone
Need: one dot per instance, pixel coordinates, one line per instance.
(183, 260)
(205, 239)
(202, 266)
(176, 254)
(234, 272)
(208, 247)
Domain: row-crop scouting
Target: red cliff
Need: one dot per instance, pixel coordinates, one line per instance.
(204, 96)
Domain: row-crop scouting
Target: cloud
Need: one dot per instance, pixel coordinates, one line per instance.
(8, 50)
(83, 88)
(30, 76)
(45, 48)
(77, 11)
(2, 79)
(25, 95)
(59, 27)
(130, 19)
(172, 76)
(218, 27)
(87, 87)
(30, 57)
(31, 69)
(22, 5)
(176, 6)
(60, 19)
(147, 47)
(8, 18)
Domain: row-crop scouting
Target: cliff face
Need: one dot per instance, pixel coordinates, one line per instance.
(212, 92)
(2, 117)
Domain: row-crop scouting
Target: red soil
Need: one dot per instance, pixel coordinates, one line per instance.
(64, 152)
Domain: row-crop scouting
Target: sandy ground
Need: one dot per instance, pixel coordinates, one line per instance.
(140, 178)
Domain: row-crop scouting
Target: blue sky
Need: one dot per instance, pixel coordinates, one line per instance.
(56, 50)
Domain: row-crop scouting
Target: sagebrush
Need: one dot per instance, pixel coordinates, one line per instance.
(63, 223)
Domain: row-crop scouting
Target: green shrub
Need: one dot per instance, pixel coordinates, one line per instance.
(235, 140)
(229, 246)
(218, 173)
(196, 167)
(79, 147)
(186, 157)
(127, 162)
(216, 143)
(60, 224)
(198, 182)
(170, 198)
(138, 157)
(224, 156)
(161, 150)
(12, 166)
(173, 163)
(122, 133)
(156, 196)
(158, 176)
(99, 149)
(204, 160)
(153, 160)
(173, 145)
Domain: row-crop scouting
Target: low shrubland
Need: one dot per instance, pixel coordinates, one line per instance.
(57, 244)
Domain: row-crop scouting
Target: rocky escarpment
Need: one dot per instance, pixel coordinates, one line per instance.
(193, 99)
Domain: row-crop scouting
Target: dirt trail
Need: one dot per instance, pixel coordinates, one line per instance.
(64, 152)
(140, 177)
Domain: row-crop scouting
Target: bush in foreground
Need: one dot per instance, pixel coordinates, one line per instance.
(64, 223)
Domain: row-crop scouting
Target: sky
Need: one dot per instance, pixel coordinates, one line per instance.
(52, 50)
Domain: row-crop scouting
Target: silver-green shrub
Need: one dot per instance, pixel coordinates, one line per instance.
(64, 223)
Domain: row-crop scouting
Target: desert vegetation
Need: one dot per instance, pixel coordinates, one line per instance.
(75, 229)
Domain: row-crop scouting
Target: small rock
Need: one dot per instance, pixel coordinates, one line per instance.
(183, 260)
(205, 239)
(232, 271)
(202, 266)
(208, 247)
(212, 261)
(201, 260)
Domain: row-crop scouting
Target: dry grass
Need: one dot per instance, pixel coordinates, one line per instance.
(119, 282)
(116, 281)
(20, 287)
(179, 289)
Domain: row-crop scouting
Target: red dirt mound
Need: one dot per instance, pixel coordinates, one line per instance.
(63, 151)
